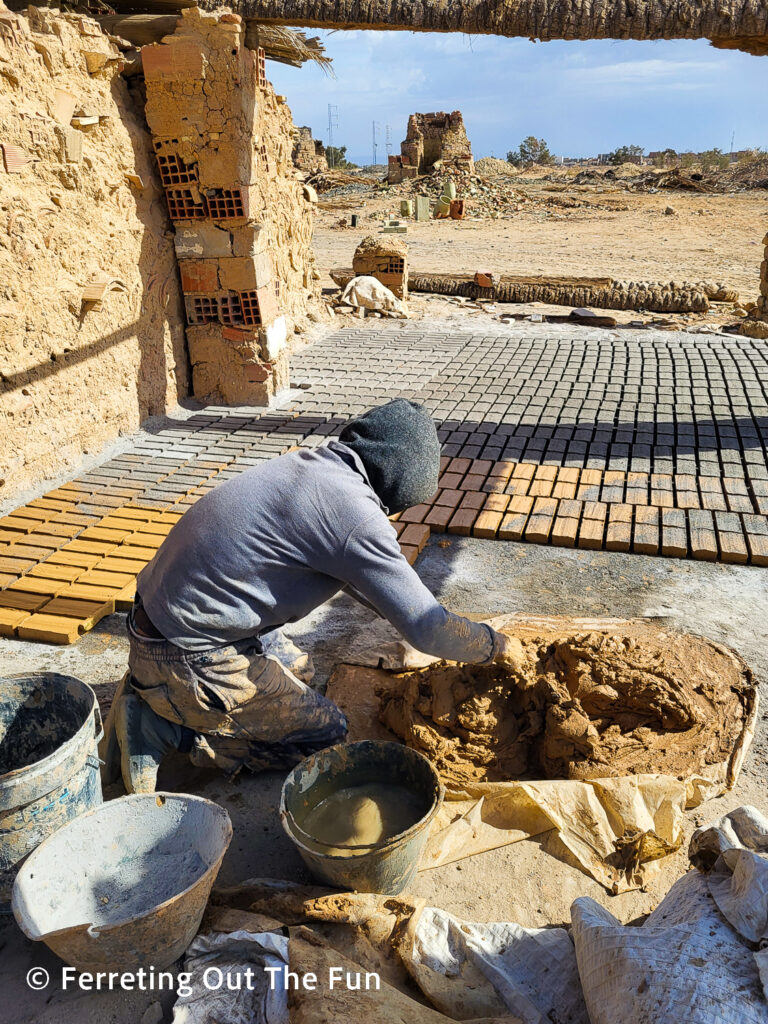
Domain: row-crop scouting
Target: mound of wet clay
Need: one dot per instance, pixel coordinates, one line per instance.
(588, 705)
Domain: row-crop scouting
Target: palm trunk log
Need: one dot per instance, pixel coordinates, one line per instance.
(598, 293)
(738, 24)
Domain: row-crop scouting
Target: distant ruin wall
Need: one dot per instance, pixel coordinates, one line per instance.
(756, 326)
(81, 214)
(430, 139)
(243, 222)
(308, 152)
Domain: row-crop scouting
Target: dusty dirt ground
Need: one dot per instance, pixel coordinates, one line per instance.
(531, 882)
(615, 233)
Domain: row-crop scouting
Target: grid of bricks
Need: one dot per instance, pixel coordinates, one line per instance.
(651, 443)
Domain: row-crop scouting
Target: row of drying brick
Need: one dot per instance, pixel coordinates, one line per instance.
(663, 490)
(496, 504)
(61, 571)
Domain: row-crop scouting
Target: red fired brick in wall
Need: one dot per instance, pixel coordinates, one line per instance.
(206, 65)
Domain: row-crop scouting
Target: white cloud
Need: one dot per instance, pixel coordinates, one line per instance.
(646, 74)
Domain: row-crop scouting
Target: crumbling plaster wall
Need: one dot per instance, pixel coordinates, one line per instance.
(243, 220)
(78, 206)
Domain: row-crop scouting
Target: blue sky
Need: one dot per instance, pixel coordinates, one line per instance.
(583, 98)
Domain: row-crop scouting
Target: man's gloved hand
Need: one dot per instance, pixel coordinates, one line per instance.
(511, 654)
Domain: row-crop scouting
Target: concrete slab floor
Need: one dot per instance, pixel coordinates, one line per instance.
(523, 882)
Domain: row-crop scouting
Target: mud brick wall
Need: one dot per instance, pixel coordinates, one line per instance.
(81, 214)
(756, 326)
(308, 152)
(430, 138)
(243, 227)
(386, 259)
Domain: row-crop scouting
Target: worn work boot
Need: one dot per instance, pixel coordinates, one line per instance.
(144, 739)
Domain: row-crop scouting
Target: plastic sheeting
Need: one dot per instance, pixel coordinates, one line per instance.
(697, 956)
(370, 293)
(227, 981)
(484, 970)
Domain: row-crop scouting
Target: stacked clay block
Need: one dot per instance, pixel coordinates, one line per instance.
(205, 108)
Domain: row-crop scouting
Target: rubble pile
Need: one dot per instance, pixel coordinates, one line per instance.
(485, 197)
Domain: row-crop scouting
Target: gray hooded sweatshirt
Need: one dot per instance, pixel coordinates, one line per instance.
(274, 543)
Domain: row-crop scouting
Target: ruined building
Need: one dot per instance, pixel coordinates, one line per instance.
(139, 266)
(432, 139)
(308, 153)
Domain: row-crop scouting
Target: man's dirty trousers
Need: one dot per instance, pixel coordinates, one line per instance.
(245, 708)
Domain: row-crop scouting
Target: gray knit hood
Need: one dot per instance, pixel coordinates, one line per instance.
(397, 443)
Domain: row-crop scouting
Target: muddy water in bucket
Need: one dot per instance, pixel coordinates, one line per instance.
(360, 813)
(361, 816)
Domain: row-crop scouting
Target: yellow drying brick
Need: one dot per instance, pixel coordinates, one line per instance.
(10, 537)
(39, 515)
(131, 550)
(99, 533)
(50, 571)
(117, 523)
(124, 600)
(90, 547)
(10, 618)
(79, 559)
(149, 540)
(88, 592)
(139, 512)
(36, 585)
(51, 629)
(113, 580)
(114, 564)
(88, 613)
(161, 529)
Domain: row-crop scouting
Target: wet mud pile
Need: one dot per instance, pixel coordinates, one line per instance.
(588, 705)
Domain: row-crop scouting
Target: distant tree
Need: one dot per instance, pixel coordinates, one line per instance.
(666, 158)
(714, 160)
(687, 160)
(530, 151)
(751, 156)
(337, 157)
(625, 155)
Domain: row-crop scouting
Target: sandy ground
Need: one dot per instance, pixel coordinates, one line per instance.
(528, 882)
(708, 237)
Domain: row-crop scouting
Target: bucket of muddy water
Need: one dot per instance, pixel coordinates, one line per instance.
(125, 885)
(50, 728)
(360, 813)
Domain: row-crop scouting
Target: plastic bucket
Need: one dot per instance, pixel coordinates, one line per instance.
(387, 867)
(125, 885)
(50, 727)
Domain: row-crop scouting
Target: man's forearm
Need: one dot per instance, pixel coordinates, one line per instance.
(451, 637)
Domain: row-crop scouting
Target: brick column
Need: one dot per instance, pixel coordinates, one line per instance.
(206, 101)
